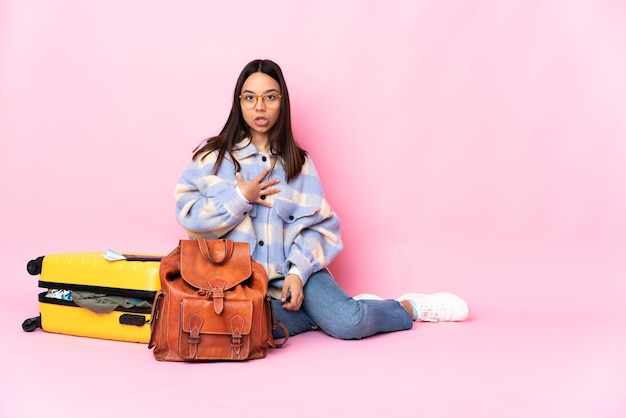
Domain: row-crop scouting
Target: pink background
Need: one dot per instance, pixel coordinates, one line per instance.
(477, 147)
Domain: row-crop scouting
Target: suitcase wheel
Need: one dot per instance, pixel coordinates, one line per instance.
(31, 324)
(34, 266)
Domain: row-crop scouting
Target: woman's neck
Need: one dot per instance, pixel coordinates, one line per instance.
(261, 142)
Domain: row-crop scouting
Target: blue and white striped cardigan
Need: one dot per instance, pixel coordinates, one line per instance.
(299, 234)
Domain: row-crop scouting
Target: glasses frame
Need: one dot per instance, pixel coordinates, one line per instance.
(253, 104)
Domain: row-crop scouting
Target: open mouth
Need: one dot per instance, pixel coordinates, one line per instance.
(260, 121)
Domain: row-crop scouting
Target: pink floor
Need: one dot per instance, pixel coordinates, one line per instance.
(530, 351)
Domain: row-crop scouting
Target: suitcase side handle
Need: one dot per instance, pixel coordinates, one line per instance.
(130, 319)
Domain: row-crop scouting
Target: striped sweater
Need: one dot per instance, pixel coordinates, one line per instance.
(299, 234)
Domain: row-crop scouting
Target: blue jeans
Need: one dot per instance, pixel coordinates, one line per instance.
(328, 307)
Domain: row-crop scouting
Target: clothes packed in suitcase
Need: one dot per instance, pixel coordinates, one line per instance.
(104, 295)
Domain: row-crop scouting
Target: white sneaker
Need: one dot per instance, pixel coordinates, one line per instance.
(438, 307)
(367, 296)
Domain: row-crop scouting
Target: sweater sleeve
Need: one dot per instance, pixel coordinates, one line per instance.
(312, 228)
(208, 206)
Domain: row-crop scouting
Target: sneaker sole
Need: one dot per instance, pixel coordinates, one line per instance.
(367, 296)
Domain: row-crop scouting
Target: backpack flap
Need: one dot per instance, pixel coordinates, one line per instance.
(204, 261)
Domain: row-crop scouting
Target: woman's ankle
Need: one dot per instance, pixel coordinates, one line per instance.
(408, 307)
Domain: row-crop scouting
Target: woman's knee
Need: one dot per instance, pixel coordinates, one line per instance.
(347, 327)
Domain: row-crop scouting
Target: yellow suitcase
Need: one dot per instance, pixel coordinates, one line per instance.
(101, 284)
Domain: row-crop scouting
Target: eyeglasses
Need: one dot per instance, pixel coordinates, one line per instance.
(270, 100)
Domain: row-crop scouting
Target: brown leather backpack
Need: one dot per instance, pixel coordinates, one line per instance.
(213, 304)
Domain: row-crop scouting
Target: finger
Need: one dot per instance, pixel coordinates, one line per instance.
(239, 177)
(270, 190)
(270, 182)
(298, 300)
(262, 175)
(291, 306)
(285, 295)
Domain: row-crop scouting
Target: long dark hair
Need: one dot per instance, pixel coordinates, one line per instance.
(282, 142)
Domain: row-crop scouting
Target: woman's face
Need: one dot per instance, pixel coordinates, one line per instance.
(260, 104)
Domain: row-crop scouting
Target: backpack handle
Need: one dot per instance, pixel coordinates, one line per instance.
(229, 249)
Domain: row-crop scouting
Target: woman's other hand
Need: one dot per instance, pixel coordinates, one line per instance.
(293, 287)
